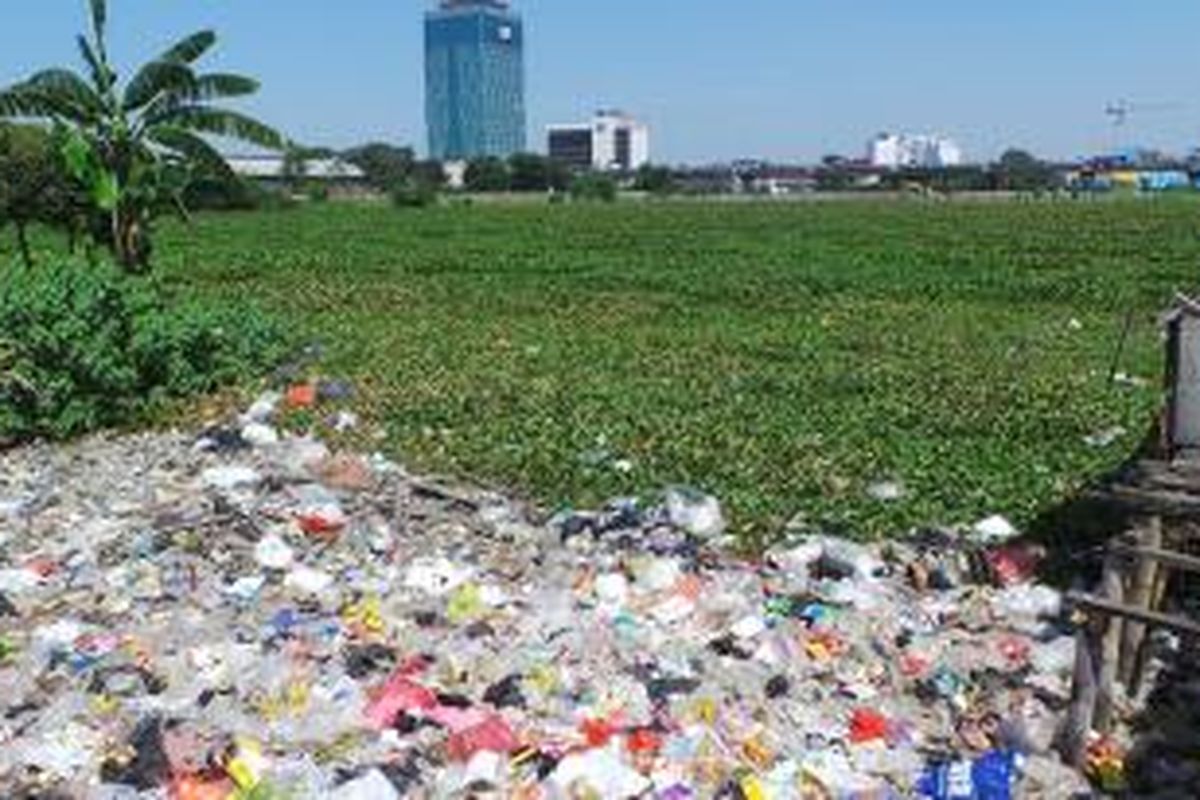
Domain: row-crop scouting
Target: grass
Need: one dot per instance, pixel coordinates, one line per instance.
(781, 356)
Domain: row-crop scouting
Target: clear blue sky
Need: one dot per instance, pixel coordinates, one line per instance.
(783, 79)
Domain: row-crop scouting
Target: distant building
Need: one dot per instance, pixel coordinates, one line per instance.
(611, 141)
(474, 80)
(339, 178)
(898, 151)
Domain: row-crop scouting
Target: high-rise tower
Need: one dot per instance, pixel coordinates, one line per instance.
(474, 80)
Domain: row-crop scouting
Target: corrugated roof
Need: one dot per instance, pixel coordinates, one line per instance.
(272, 167)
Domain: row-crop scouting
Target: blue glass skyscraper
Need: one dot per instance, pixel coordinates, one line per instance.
(474, 80)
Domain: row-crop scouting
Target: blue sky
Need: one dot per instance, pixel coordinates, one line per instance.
(782, 79)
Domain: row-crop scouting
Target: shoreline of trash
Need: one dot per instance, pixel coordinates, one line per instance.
(247, 614)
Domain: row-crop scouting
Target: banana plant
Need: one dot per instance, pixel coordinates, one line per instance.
(135, 145)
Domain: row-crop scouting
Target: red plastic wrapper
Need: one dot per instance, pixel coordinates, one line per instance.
(643, 740)
(492, 735)
(868, 726)
(399, 695)
(1013, 564)
(302, 395)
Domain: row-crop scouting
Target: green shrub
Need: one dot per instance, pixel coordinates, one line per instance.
(85, 347)
(594, 186)
(413, 194)
(317, 192)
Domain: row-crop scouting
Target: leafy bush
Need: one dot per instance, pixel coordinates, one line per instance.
(413, 194)
(594, 186)
(85, 347)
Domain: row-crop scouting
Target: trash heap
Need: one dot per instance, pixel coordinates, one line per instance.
(250, 615)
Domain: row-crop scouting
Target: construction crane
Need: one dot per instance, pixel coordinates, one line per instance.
(1121, 110)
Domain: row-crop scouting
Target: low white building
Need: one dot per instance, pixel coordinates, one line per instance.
(613, 140)
(897, 151)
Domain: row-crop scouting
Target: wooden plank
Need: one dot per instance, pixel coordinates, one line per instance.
(1155, 619)
(1156, 553)
(1148, 501)
(1149, 538)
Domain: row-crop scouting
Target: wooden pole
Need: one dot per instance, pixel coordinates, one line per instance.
(1073, 736)
(1113, 591)
(1141, 587)
(1158, 592)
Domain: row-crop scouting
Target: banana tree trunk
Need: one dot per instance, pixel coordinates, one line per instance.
(23, 244)
(129, 241)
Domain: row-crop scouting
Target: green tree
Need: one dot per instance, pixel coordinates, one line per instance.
(594, 186)
(34, 186)
(655, 180)
(487, 175)
(531, 172)
(135, 146)
(1018, 170)
(385, 166)
(430, 173)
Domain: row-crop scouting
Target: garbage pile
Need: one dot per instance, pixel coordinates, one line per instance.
(250, 615)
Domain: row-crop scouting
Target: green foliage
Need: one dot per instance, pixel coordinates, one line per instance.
(414, 194)
(1020, 171)
(135, 147)
(34, 187)
(487, 175)
(384, 165)
(655, 180)
(430, 173)
(227, 193)
(317, 192)
(781, 355)
(530, 172)
(594, 187)
(87, 347)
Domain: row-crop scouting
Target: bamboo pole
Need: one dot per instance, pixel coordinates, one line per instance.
(1141, 587)
(1113, 591)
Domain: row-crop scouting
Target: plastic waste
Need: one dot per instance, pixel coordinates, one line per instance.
(993, 529)
(1028, 601)
(492, 735)
(230, 478)
(272, 552)
(372, 786)
(697, 513)
(990, 777)
(599, 772)
(259, 434)
(886, 491)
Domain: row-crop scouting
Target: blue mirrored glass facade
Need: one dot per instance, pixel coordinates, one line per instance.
(474, 80)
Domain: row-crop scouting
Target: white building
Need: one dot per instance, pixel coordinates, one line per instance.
(611, 141)
(896, 151)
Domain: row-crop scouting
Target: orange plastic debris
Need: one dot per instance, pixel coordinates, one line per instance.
(302, 395)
